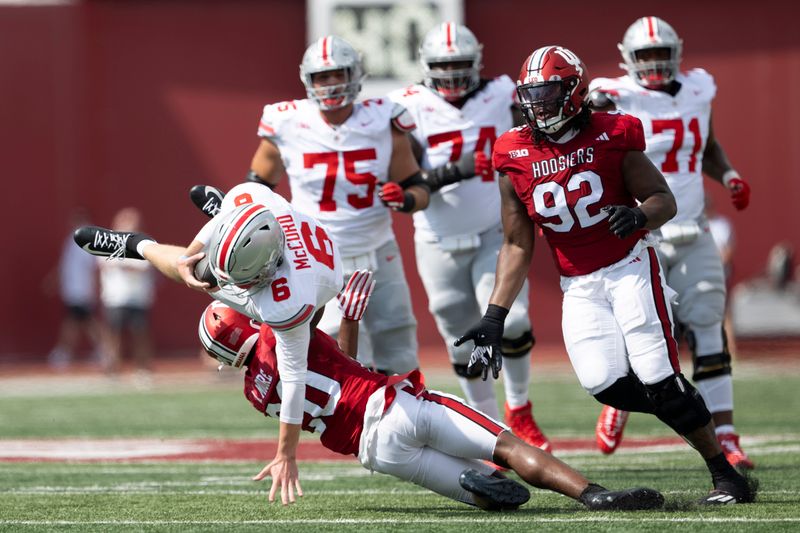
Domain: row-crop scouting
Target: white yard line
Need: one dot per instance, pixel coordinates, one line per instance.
(493, 520)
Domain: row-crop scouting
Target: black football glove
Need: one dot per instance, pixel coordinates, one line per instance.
(624, 220)
(487, 336)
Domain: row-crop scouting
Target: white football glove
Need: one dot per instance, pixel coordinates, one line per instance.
(353, 299)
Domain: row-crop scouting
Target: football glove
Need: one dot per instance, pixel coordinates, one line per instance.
(393, 196)
(624, 220)
(353, 299)
(487, 336)
(740, 193)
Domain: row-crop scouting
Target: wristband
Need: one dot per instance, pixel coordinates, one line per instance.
(729, 175)
(496, 312)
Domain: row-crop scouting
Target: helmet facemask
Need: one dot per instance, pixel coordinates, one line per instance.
(653, 68)
(335, 95)
(545, 105)
(453, 80)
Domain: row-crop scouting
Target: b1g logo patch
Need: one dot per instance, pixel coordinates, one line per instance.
(514, 154)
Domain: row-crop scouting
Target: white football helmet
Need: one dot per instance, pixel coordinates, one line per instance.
(448, 43)
(246, 248)
(328, 54)
(227, 335)
(648, 33)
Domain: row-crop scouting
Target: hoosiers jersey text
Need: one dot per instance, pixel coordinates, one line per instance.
(675, 128)
(337, 390)
(309, 276)
(565, 186)
(446, 132)
(334, 171)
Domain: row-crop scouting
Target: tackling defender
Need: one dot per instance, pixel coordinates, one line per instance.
(579, 175)
(394, 425)
(675, 110)
(457, 237)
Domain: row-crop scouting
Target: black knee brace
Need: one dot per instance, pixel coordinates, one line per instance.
(518, 347)
(628, 394)
(461, 371)
(678, 404)
(709, 366)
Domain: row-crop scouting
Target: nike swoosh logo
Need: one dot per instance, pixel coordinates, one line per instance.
(88, 248)
(606, 440)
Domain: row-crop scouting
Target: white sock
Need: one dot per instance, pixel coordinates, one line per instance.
(140, 247)
(517, 379)
(717, 393)
(480, 395)
(725, 428)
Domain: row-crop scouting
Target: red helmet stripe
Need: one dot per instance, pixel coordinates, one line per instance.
(651, 28)
(449, 30)
(233, 232)
(325, 48)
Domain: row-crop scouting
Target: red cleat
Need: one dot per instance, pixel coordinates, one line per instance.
(522, 424)
(610, 425)
(733, 453)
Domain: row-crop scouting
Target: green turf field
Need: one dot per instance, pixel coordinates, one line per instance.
(214, 496)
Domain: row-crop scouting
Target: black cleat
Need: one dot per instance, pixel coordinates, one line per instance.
(208, 199)
(597, 498)
(732, 490)
(493, 493)
(104, 242)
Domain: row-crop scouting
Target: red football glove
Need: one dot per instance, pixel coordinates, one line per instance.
(483, 166)
(354, 297)
(740, 193)
(392, 195)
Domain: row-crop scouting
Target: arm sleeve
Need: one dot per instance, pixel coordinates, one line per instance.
(291, 348)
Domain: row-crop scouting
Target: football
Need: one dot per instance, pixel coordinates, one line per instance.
(202, 271)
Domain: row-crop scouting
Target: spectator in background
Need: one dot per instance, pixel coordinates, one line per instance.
(127, 294)
(76, 275)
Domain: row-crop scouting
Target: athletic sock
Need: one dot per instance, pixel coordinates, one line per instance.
(517, 379)
(480, 395)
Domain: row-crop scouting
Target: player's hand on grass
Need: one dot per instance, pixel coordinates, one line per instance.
(285, 477)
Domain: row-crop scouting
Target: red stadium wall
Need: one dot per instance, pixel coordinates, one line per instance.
(111, 104)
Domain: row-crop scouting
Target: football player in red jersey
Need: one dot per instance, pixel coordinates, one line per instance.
(579, 176)
(393, 424)
(675, 109)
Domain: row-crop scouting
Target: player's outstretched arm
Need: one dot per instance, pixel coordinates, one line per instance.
(717, 166)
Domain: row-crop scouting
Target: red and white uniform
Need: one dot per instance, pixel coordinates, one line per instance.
(446, 132)
(676, 128)
(334, 171)
(309, 276)
(616, 313)
(392, 424)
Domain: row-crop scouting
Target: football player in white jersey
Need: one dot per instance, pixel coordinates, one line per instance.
(273, 264)
(675, 110)
(457, 237)
(346, 163)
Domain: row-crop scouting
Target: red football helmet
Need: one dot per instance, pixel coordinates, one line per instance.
(227, 335)
(552, 88)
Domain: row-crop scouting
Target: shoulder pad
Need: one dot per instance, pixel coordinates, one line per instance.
(402, 119)
(273, 116)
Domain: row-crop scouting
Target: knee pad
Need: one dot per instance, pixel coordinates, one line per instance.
(461, 371)
(678, 404)
(712, 365)
(628, 394)
(518, 347)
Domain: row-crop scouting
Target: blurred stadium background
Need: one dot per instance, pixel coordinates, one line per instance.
(110, 104)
